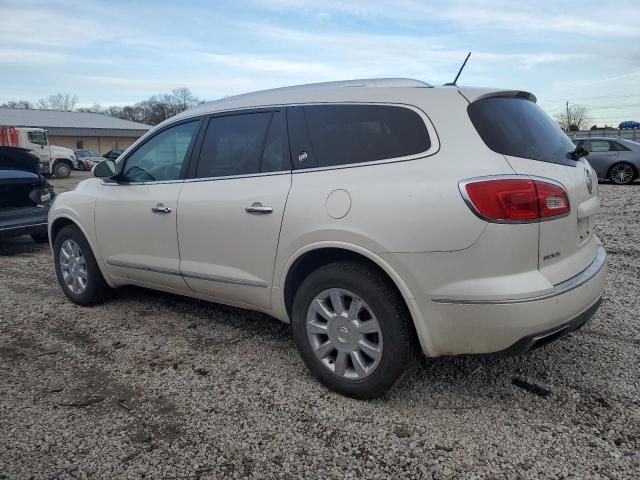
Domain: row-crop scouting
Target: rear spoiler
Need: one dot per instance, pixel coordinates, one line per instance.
(475, 94)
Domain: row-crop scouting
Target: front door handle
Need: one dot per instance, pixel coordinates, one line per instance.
(258, 209)
(160, 208)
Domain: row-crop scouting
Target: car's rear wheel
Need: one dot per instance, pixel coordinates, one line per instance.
(76, 268)
(62, 170)
(353, 329)
(622, 173)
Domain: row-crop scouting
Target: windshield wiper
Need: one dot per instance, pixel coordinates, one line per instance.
(578, 153)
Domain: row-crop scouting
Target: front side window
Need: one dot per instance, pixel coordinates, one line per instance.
(243, 144)
(595, 146)
(39, 138)
(346, 134)
(161, 158)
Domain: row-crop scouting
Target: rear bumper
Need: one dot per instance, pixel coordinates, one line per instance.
(540, 339)
(23, 221)
(511, 325)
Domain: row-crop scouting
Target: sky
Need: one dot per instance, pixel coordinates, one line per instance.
(120, 52)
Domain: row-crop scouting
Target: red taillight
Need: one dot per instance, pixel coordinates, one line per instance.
(516, 199)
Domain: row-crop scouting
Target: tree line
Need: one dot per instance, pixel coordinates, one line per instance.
(152, 111)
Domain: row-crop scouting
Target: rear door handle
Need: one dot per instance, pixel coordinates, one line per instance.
(160, 209)
(258, 209)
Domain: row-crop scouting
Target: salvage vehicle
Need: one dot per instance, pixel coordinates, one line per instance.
(53, 160)
(614, 159)
(381, 218)
(25, 195)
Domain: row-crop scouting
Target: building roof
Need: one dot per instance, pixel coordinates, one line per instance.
(72, 123)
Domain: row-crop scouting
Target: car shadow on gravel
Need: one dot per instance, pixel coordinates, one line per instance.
(20, 245)
(209, 328)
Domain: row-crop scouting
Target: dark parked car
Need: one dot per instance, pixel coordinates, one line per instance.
(616, 159)
(113, 154)
(25, 195)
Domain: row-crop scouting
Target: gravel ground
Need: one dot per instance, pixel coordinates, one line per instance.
(151, 385)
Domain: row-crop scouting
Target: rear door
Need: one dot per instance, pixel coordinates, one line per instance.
(534, 145)
(231, 209)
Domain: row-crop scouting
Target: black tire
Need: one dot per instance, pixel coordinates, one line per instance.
(61, 170)
(400, 345)
(81, 166)
(40, 237)
(622, 167)
(96, 290)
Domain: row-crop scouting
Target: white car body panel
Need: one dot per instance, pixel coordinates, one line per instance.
(404, 214)
(226, 252)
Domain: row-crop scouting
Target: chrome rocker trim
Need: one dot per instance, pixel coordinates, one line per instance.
(210, 278)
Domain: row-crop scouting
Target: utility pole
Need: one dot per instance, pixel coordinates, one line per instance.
(568, 123)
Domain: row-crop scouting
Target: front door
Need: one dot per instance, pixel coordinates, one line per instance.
(602, 154)
(136, 215)
(231, 211)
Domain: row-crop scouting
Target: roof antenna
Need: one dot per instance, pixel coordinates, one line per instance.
(459, 71)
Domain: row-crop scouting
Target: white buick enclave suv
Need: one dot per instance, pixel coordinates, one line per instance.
(380, 218)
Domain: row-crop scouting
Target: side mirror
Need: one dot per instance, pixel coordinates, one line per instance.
(105, 169)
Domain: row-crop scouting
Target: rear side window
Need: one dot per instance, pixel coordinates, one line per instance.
(618, 147)
(520, 128)
(346, 134)
(243, 144)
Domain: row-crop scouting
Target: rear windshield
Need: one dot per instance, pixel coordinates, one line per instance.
(520, 128)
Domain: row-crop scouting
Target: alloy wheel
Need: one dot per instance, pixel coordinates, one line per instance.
(73, 266)
(621, 173)
(344, 334)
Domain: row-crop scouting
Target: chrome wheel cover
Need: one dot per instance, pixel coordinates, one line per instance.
(73, 266)
(622, 173)
(344, 334)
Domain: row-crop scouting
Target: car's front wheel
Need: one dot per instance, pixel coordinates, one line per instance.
(353, 329)
(61, 170)
(76, 268)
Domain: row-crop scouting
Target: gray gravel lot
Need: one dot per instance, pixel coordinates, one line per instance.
(151, 385)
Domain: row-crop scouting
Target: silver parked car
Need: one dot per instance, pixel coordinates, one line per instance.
(87, 159)
(615, 159)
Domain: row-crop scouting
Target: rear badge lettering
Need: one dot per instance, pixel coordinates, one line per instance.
(551, 255)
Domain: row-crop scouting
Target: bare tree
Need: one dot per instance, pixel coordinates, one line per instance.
(184, 99)
(24, 104)
(58, 101)
(573, 118)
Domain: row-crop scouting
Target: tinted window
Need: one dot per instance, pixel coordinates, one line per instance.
(242, 145)
(344, 134)
(161, 158)
(618, 147)
(519, 127)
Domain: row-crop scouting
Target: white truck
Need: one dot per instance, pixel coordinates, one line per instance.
(54, 160)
